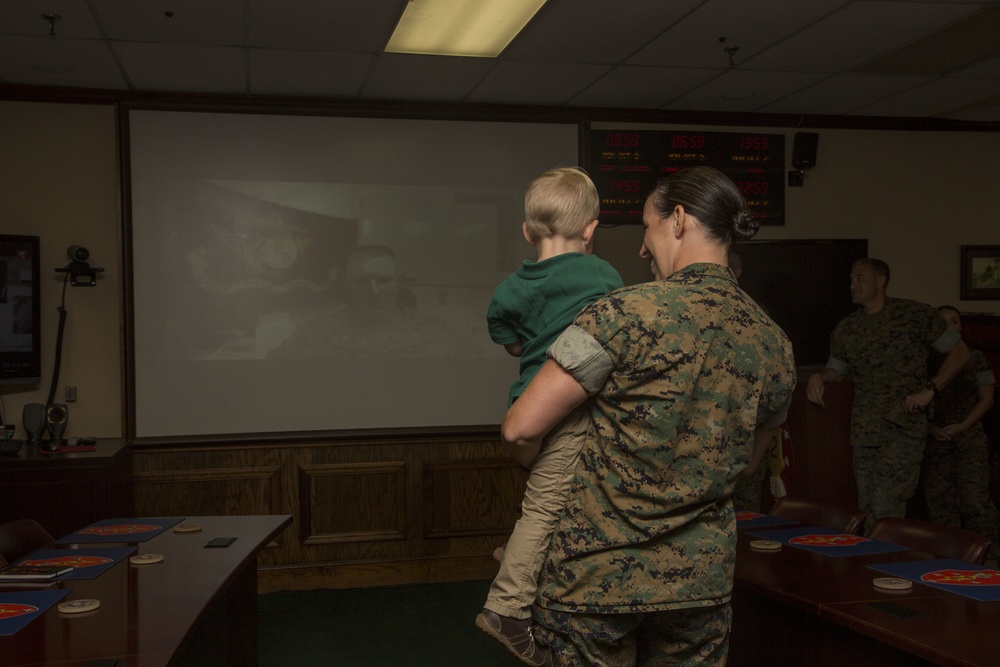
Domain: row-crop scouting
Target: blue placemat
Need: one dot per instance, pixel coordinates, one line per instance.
(19, 608)
(87, 563)
(828, 542)
(972, 581)
(120, 530)
(748, 519)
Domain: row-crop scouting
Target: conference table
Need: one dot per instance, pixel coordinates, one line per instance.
(796, 606)
(198, 606)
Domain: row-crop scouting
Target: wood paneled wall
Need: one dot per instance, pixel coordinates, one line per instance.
(366, 512)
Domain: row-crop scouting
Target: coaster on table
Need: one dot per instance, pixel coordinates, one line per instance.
(893, 583)
(765, 545)
(78, 606)
(187, 528)
(145, 559)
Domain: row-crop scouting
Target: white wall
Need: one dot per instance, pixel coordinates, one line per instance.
(59, 181)
(917, 197)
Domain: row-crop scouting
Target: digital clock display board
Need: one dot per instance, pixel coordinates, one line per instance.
(627, 164)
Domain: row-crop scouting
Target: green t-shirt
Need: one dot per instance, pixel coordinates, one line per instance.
(533, 305)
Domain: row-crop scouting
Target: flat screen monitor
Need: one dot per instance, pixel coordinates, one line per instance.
(20, 312)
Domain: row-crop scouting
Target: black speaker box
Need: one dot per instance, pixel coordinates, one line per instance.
(804, 150)
(33, 418)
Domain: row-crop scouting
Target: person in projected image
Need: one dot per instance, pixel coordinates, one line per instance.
(378, 318)
(682, 377)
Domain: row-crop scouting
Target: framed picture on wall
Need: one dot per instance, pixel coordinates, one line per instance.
(980, 272)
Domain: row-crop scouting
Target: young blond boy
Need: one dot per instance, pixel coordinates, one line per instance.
(528, 312)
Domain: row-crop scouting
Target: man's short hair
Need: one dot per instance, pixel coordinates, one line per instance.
(879, 268)
(561, 202)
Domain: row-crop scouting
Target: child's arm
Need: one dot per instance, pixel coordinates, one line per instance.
(514, 349)
(551, 395)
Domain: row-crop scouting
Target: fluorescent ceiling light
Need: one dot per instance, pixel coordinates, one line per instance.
(475, 28)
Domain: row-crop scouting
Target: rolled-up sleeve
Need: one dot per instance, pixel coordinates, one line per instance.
(841, 367)
(583, 357)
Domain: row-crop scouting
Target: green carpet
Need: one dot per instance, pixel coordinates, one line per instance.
(427, 624)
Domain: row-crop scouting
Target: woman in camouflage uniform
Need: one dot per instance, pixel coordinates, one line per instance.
(682, 374)
(956, 460)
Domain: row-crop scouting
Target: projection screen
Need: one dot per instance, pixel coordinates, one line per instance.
(313, 273)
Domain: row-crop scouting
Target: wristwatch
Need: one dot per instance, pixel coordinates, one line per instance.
(933, 387)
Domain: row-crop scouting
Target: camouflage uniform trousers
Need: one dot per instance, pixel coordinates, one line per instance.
(957, 483)
(691, 636)
(749, 489)
(887, 475)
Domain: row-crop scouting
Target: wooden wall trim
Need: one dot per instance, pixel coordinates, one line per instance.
(392, 519)
(366, 512)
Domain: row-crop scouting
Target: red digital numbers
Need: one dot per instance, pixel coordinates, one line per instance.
(621, 140)
(753, 187)
(629, 186)
(688, 141)
(753, 143)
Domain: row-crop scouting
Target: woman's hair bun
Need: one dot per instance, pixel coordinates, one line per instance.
(745, 224)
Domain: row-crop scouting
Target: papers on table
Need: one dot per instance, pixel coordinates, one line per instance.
(828, 542)
(19, 608)
(120, 530)
(973, 581)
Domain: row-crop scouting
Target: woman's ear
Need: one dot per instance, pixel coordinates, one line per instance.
(679, 220)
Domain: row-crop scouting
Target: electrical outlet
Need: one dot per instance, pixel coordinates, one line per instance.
(70, 394)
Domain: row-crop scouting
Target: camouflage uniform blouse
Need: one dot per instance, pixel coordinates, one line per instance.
(681, 373)
(955, 401)
(885, 354)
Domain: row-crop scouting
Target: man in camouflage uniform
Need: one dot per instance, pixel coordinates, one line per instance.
(883, 347)
(956, 462)
(683, 373)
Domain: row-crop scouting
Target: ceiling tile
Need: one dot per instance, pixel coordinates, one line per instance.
(425, 78)
(749, 27)
(642, 87)
(856, 34)
(535, 83)
(307, 73)
(843, 93)
(170, 67)
(173, 22)
(339, 26)
(24, 17)
(740, 90)
(565, 31)
(644, 54)
(42, 61)
(937, 97)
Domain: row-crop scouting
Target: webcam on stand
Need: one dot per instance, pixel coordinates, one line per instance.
(81, 274)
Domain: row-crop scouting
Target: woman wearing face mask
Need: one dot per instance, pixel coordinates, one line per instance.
(956, 469)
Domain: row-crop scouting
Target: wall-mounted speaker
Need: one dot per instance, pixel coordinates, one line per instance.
(804, 150)
(33, 418)
(56, 419)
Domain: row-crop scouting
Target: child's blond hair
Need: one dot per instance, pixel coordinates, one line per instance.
(561, 202)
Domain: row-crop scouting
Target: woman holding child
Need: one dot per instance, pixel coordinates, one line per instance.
(681, 374)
